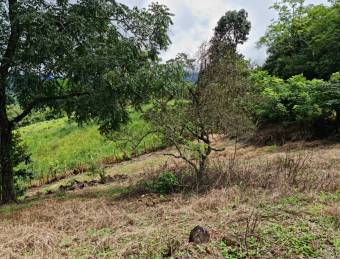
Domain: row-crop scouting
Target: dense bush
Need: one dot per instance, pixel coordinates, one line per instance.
(22, 172)
(296, 101)
(166, 183)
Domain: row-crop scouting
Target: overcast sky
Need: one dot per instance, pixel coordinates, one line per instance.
(194, 21)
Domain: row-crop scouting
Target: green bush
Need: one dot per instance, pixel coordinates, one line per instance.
(286, 102)
(22, 171)
(166, 183)
(296, 101)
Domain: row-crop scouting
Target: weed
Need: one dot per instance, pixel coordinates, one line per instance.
(336, 243)
(229, 252)
(272, 148)
(166, 183)
(296, 238)
(99, 171)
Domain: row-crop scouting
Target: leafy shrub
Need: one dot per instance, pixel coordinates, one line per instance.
(22, 171)
(99, 171)
(296, 101)
(286, 102)
(22, 178)
(166, 183)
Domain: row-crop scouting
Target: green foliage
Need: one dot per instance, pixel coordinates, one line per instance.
(232, 29)
(297, 238)
(336, 242)
(91, 59)
(229, 252)
(329, 94)
(99, 171)
(14, 110)
(296, 101)
(304, 39)
(100, 48)
(166, 183)
(23, 172)
(291, 102)
(272, 148)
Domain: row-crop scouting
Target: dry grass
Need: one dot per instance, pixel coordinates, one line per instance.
(264, 205)
(110, 228)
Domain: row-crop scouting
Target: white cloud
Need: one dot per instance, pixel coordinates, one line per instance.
(195, 20)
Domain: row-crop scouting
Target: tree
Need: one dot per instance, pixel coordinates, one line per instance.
(232, 29)
(189, 115)
(177, 115)
(90, 58)
(304, 40)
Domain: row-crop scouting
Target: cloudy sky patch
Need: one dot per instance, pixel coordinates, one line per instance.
(195, 20)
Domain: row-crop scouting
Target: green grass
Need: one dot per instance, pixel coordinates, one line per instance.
(59, 145)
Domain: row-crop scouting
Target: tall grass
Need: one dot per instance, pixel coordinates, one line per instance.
(60, 145)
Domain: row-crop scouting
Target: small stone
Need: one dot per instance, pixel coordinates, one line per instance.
(199, 235)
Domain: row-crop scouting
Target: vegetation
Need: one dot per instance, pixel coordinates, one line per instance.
(312, 105)
(255, 213)
(90, 59)
(166, 183)
(85, 102)
(213, 105)
(303, 40)
(77, 148)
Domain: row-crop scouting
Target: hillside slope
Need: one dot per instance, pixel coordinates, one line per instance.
(59, 145)
(245, 218)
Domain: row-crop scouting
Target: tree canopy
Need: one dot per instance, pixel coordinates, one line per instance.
(90, 58)
(304, 39)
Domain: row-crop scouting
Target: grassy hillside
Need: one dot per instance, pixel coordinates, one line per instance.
(257, 212)
(60, 145)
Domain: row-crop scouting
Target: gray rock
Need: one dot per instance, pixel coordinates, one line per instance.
(199, 235)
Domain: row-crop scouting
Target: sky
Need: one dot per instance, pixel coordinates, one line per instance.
(194, 21)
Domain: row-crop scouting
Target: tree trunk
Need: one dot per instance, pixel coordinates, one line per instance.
(6, 164)
(201, 173)
(201, 170)
(7, 182)
(337, 111)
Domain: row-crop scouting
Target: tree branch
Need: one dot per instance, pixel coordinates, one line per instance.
(183, 158)
(41, 100)
(217, 149)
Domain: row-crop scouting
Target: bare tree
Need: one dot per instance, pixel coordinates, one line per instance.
(190, 119)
